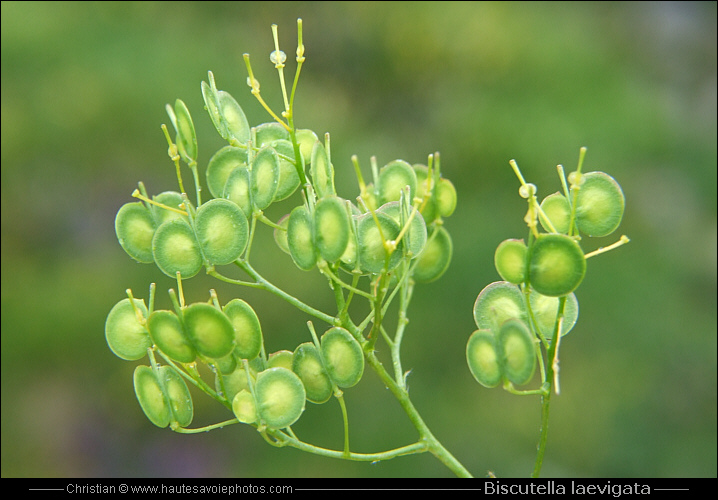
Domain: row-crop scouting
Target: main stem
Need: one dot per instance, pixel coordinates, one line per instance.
(433, 444)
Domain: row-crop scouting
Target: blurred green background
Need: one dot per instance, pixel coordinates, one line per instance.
(83, 92)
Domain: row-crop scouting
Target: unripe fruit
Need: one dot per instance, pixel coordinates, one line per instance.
(556, 265)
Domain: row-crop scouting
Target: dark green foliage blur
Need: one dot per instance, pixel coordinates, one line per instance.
(84, 87)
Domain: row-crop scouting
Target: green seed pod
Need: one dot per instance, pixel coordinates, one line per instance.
(434, 260)
(599, 204)
(288, 176)
(306, 139)
(415, 238)
(244, 407)
(556, 265)
(343, 357)
(371, 252)
(518, 350)
(180, 400)
(221, 165)
(168, 335)
(125, 335)
(186, 137)
(247, 330)
(266, 133)
(393, 178)
(280, 236)
(222, 231)
(510, 260)
(233, 117)
(237, 189)
(545, 310)
(307, 364)
(163, 396)
(209, 330)
(280, 397)
(264, 177)
(555, 206)
(175, 248)
(172, 199)
(281, 359)
(498, 302)
(135, 227)
(445, 195)
(482, 358)
(150, 395)
(322, 172)
(209, 94)
(300, 238)
(331, 228)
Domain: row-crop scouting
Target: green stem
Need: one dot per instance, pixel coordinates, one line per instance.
(262, 283)
(426, 437)
(547, 387)
(283, 439)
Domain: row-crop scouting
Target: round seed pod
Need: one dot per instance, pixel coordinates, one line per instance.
(168, 335)
(482, 358)
(264, 177)
(445, 195)
(267, 133)
(393, 178)
(237, 189)
(415, 237)
(244, 407)
(371, 252)
(175, 248)
(186, 137)
(331, 228)
(281, 359)
(306, 139)
(222, 231)
(322, 172)
(434, 260)
(518, 350)
(172, 199)
(510, 260)
(280, 397)
(209, 330)
(556, 208)
(307, 364)
(125, 335)
(233, 117)
(556, 265)
(599, 204)
(288, 177)
(135, 227)
(247, 330)
(300, 238)
(280, 236)
(150, 395)
(221, 165)
(180, 400)
(545, 310)
(498, 302)
(343, 357)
